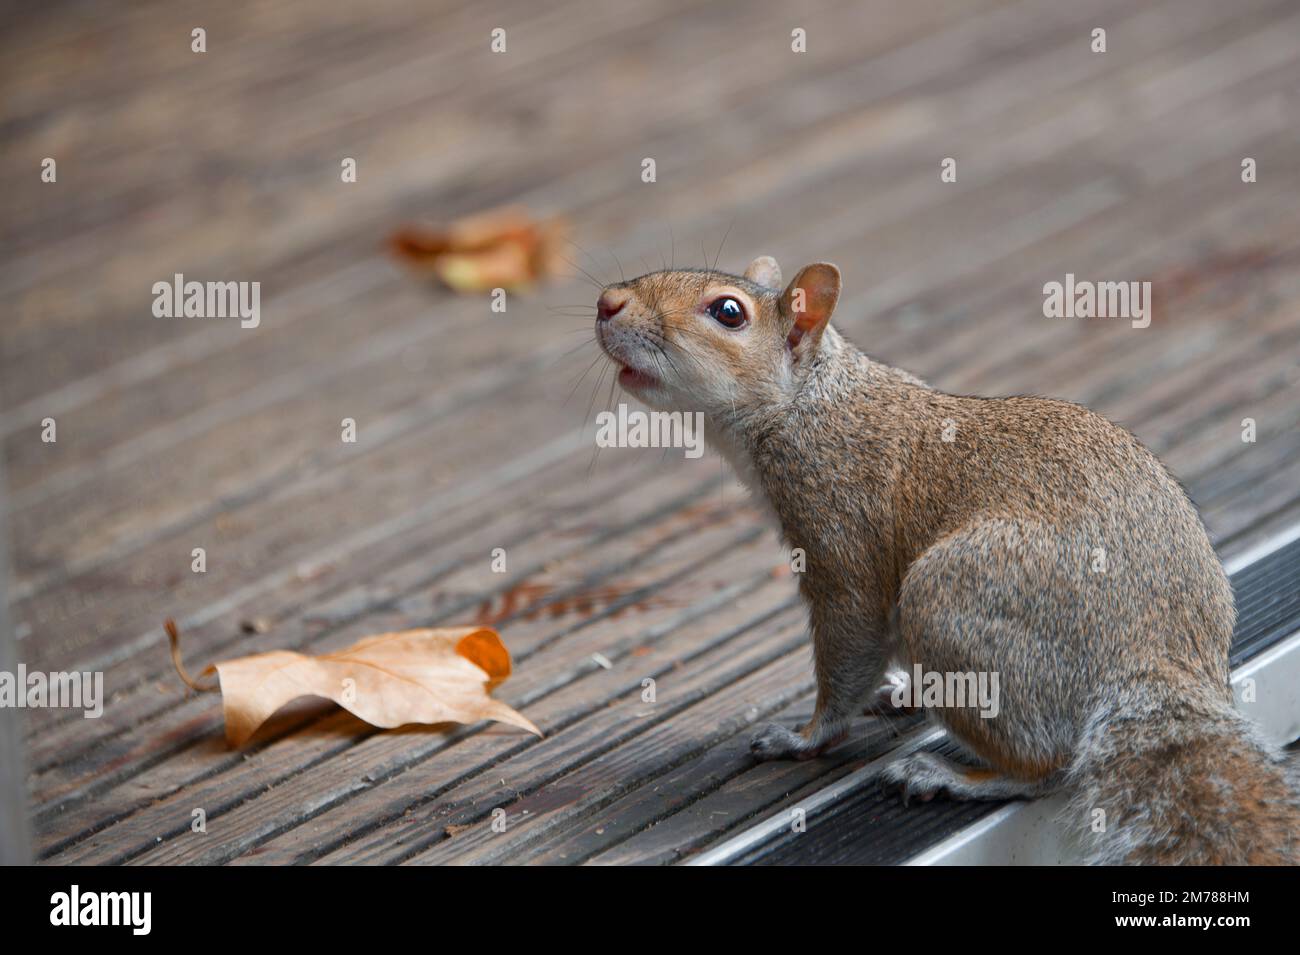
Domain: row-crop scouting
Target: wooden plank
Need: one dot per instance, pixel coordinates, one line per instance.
(554, 666)
(401, 478)
(724, 679)
(1259, 527)
(43, 520)
(608, 567)
(606, 36)
(533, 814)
(387, 211)
(676, 815)
(858, 51)
(418, 575)
(70, 623)
(581, 721)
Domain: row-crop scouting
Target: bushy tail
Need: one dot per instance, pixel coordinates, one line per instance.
(1172, 776)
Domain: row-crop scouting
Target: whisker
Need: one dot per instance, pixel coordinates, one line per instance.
(574, 390)
(718, 257)
(663, 344)
(591, 278)
(613, 382)
(582, 422)
(590, 258)
(595, 391)
(590, 341)
(661, 350)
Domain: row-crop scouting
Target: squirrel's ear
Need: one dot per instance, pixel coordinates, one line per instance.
(765, 272)
(808, 302)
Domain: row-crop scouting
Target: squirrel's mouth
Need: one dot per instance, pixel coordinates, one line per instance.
(632, 378)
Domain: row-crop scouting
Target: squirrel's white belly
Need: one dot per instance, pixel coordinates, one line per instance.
(738, 458)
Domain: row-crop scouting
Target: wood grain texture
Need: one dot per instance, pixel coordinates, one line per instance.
(175, 434)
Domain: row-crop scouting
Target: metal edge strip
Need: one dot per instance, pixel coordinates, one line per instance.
(1264, 548)
(755, 835)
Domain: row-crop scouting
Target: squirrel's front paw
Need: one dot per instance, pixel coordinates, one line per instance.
(774, 741)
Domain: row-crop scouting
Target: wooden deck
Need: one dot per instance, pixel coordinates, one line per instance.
(176, 434)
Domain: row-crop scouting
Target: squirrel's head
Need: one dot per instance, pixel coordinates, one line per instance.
(700, 340)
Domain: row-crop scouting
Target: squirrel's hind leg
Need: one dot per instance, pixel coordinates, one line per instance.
(924, 775)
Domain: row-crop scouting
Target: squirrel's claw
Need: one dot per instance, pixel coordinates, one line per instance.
(918, 775)
(907, 791)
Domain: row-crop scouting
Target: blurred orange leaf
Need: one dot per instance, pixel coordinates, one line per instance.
(503, 248)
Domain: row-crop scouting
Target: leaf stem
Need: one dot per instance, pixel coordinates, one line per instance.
(174, 638)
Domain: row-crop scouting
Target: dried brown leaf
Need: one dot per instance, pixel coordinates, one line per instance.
(388, 680)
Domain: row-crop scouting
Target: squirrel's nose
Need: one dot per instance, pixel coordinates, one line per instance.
(610, 303)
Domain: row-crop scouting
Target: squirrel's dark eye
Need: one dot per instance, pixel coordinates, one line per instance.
(729, 312)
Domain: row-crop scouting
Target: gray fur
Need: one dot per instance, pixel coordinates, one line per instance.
(980, 554)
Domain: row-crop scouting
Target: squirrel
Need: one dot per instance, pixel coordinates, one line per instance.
(1023, 536)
